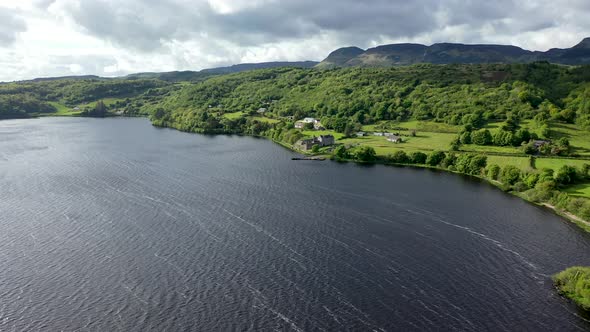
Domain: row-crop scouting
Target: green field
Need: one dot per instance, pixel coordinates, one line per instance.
(63, 110)
(234, 115)
(428, 141)
(579, 139)
(540, 163)
(580, 190)
(425, 126)
(491, 148)
(264, 119)
(240, 114)
(520, 162)
(556, 163)
(423, 141)
(315, 133)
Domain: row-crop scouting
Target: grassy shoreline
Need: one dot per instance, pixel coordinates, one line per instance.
(574, 284)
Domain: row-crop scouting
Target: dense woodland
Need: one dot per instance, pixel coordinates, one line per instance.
(31, 98)
(469, 95)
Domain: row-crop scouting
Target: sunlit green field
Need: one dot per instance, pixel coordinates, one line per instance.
(234, 115)
(424, 141)
(556, 163)
(426, 126)
(579, 139)
(502, 161)
(581, 190)
(540, 163)
(264, 119)
(63, 110)
(237, 115)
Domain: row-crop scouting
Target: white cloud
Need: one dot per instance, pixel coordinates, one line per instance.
(114, 37)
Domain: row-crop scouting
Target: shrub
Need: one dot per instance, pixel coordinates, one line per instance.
(520, 186)
(481, 137)
(399, 157)
(531, 180)
(435, 158)
(449, 161)
(493, 171)
(546, 175)
(566, 175)
(366, 153)
(574, 283)
(503, 138)
(465, 138)
(341, 152)
(470, 163)
(418, 157)
(510, 174)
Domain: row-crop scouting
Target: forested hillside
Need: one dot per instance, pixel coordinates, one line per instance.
(31, 98)
(451, 94)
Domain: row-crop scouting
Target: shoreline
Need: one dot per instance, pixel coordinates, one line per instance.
(568, 216)
(572, 218)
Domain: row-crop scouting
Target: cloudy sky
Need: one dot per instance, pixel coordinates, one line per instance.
(115, 37)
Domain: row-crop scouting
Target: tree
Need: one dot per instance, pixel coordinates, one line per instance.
(341, 152)
(566, 175)
(465, 137)
(481, 137)
(159, 113)
(349, 130)
(366, 153)
(493, 171)
(520, 136)
(455, 144)
(510, 174)
(531, 180)
(418, 157)
(435, 158)
(502, 138)
(470, 163)
(449, 160)
(511, 124)
(315, 148)
(399, 157)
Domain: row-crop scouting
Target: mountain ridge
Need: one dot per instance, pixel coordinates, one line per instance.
(185, 75)
(389, 55)
(452, 53)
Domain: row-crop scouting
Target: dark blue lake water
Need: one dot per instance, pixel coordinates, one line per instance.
(114, 225)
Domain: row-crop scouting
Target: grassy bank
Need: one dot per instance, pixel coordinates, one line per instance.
(574, 284)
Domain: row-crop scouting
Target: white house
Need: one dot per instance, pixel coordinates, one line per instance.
(394, 139)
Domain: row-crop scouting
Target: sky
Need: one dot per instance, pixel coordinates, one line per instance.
(41, 38)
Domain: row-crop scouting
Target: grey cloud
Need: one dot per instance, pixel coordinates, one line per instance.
(12, 23)
(137, 24)
(296, 19)
(146, 25)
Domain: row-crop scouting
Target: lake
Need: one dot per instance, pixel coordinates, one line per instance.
(114, 225)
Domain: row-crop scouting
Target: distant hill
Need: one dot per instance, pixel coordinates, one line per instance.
(80, 77)
(175, 76)
(341, 56)
(448, 53)
(188, 75)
